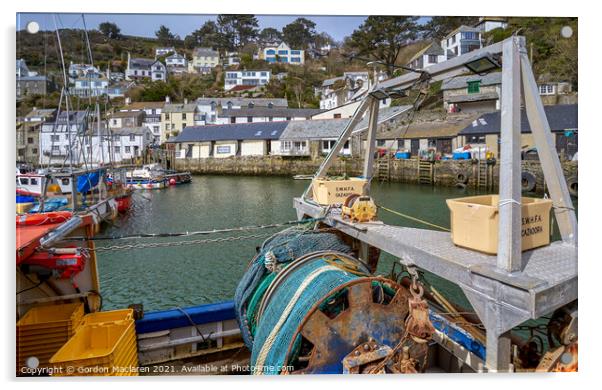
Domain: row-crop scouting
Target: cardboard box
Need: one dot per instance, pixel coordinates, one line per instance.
(328, 192)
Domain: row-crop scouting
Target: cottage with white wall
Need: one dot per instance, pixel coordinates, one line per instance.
(256, 114)
(90, 85)
(143, 68)
(432, 54)
(210, 108)
(162, 51)
(58, 138)
(488, 23)
(152, 115)
(222, 141)
(282, 54)
(246, 77)
(462, 40)
(473, 93)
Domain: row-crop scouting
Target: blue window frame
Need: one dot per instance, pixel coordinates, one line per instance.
(270, 52)
(295, 52)
(295, 59)
(283, 52)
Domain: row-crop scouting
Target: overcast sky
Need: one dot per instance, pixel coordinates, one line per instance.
(146, 24)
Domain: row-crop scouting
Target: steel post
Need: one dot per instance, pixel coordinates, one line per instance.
(370, 140)
(509, 234)
(548, 157)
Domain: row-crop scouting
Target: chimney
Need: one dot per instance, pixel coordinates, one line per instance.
(167, 99)
(185, 100)
(128, 100)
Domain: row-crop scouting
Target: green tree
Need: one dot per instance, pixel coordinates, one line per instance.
(439, 26)
(300, 33)
(382, 37)
(270, 34)
(165, 36)
(206, 36)
(109, 30)
(235, 31)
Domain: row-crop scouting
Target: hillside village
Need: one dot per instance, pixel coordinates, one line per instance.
(261, 95)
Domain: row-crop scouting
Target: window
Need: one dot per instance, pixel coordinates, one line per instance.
(337, 116)
(55, 138)
(432, 58)
(117, 149)
(295, 59)
(24, 181)
(183, 116)
(432, 143)
(55, 148)
(224, 149)
(380, 142)
(251, 105)
(249, 119)
(166, 115)
(34, 150)
(474, 86)
(286, 145)
(475, 139)
(546, 89)
(327, 145)
(132, 137)
(30, 140)
(270, 105)
(295, 52)
(128, 149)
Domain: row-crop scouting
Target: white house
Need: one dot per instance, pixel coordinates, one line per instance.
(90, 85)
(81, 71)
(177, 60)
(162, 51)
(59, 142)
(229, 140)
(430, 55)
(232, 58)
(340, 90)
(204, 59)
(40, 115)
(210, 108)
(462, 40)
(23, 70)
(488, 23)
(282, 54)
(246, 77)
(254, 115)
(129, 142)
(143, 68)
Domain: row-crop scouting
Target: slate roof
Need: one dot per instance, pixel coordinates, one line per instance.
(244, 102)
(130, 131)
(237, 131)
(273, 112)
(446, 128)
(141, 63)
(175, 107)
(205, 52)
(329, 82)
(43, 112)
(462, 28)
(332, 128)
(433, 49)
(126, 114)
(462, 81)
(560, 117)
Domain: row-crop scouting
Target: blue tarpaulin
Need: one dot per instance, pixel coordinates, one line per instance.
(88, 181)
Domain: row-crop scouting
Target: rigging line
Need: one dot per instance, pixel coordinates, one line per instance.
(198, 233)
(414, 218)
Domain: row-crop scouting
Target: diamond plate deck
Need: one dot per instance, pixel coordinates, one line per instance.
(546, 271)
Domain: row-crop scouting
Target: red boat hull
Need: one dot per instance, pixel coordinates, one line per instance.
(123, 203)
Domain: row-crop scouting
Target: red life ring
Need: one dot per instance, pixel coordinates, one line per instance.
(43, 218)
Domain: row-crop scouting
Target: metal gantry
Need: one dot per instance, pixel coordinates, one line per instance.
(512, 287)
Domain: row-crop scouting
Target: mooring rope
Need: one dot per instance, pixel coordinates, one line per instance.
(422, 221)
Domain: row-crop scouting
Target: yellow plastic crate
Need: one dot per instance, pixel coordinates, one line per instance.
(475, 220)
(108, 316)
(104, 346)
(328, 191)
(43, 330)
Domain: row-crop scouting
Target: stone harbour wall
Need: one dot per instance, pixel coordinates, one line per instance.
(445, 173)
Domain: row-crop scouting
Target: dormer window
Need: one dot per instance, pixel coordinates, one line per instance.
(270, 105)
(251, 105)
(229, 105)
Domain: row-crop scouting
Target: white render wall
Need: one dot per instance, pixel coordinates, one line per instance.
(253, 148)
(224, 144)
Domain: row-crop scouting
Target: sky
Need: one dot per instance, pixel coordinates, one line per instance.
(145, 25)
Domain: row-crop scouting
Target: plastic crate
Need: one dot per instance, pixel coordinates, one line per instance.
(102, 346)
(328, 192)
(108, 316)
(43, 330)
(475, 220)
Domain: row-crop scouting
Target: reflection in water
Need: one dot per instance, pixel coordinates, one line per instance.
(163, 278)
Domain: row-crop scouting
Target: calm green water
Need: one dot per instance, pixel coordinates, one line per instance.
(162, 278)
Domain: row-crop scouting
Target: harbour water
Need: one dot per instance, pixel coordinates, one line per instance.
(162, 278)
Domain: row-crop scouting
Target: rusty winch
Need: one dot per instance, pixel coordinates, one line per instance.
(359, 208)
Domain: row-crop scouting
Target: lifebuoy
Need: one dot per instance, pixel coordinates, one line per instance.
(528, 181)
(461, 178)
(572, 184)
(43, 218)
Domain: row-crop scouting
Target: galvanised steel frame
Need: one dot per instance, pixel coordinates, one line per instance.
(512, 287)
